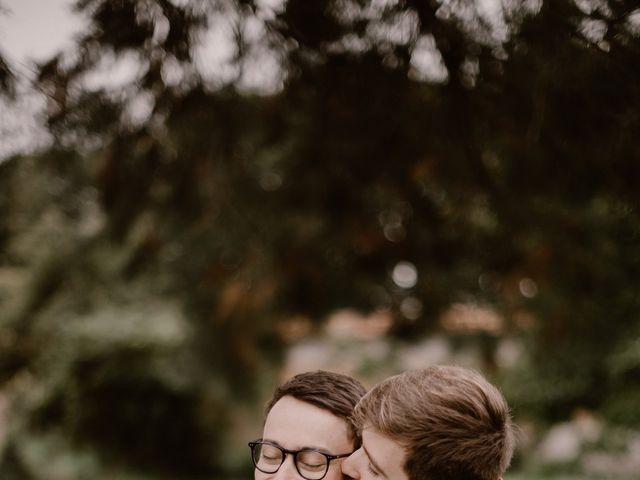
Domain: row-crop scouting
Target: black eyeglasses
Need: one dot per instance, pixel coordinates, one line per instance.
(310, 463)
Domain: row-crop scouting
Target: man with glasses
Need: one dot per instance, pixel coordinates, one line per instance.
(439, 423)
(308, 430)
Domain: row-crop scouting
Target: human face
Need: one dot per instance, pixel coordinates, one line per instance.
(379, 458)
(293, 425)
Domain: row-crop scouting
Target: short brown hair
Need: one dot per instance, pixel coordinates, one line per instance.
(330, 391)
(452, 423)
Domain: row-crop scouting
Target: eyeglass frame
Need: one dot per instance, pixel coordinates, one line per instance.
(295, 453)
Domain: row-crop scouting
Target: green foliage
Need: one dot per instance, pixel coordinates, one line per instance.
(148, 264)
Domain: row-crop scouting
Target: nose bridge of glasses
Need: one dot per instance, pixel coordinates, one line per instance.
(288, 467)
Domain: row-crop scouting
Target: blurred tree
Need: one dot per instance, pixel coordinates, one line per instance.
(153, 251)
(7, 78)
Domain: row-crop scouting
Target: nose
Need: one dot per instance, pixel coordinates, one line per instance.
(287, 470)
(350, 464)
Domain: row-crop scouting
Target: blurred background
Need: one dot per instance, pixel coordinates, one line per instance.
(200, 198)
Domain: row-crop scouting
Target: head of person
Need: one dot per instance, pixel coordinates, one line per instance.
(308, 429)
(439, 423)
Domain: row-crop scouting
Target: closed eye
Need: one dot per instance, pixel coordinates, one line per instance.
(372, 470)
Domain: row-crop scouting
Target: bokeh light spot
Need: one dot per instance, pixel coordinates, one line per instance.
(405, 275)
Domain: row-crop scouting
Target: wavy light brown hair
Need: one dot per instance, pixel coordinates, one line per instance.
(453, 424)
(330, 391)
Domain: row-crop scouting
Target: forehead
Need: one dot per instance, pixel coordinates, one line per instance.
(295, 424)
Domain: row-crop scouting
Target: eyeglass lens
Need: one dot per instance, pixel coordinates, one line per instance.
(311, 465)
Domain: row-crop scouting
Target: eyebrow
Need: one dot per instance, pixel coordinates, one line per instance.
(373, 462)
(305, 447)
